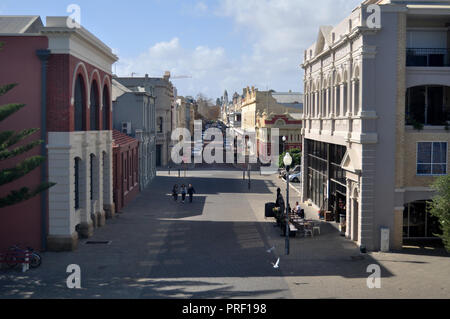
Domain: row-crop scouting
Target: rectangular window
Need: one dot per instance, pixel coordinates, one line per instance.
(432, 158)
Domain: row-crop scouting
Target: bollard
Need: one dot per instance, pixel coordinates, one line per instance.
(26, 263)
(179, 173)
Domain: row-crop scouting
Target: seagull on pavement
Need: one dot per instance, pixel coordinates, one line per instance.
(277, 265)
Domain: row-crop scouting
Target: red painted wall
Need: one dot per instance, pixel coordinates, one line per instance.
(21, 223)
(61, 112)
(126, 177)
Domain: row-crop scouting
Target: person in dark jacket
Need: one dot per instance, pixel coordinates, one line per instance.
(175, 193)
(281, 206)
(183, 193)
(280, 201)
(191, 192)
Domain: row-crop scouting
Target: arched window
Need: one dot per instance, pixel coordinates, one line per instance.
(80, 104)
(279, 123)
(357, 97)
(106, 110)
(160, 124)
(345, 94)
(94, 108)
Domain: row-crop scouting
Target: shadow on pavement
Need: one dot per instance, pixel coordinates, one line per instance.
(203, 185)
(431, 248)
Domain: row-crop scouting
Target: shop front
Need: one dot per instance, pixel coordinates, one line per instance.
(418, 223)
(326, 180)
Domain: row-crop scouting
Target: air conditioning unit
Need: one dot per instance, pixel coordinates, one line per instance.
(126, 128)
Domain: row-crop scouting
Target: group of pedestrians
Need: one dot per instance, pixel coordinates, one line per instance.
(183, 191)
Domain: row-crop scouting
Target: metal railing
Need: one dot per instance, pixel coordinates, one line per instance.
(427, 57)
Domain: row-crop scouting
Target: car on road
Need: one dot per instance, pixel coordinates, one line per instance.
(297, 170)
(295, 178)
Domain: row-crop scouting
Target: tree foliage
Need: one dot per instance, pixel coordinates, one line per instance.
(296, 157)
(440, 207)
(10, 150)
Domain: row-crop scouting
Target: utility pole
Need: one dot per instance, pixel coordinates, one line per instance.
(249, 178)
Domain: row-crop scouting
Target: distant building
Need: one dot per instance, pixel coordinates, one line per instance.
(185, 114)
(135, 115)
(163, 90)
(261, 112)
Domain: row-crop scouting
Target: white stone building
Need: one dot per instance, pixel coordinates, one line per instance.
(367, 87)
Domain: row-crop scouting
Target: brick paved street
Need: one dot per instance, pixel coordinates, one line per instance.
(217, 248)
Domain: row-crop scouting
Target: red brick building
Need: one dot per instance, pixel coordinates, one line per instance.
(64, 77)
(125, 169)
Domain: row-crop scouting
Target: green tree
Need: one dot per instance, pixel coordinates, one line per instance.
(440, 207)
(296, 157)
(9, 149)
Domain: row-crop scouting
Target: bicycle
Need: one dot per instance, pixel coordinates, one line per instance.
(17, 255)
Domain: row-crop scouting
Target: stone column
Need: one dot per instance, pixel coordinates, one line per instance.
(336, 87)
(108, 202)
(352, 97)
(62, 235)
(397, 235)
(86, 228)
(304, 178)
(366, 197)
(349, 221)
(98, 186)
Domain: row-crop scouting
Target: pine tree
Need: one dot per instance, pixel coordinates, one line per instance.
(8, 150)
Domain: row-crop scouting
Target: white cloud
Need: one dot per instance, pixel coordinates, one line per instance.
(201, 7)
(202, 63)
(280, 31)
(275, 34)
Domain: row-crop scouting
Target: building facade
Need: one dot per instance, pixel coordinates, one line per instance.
(376, 108)
(261, 112)
(164, 93)
(74, 88)
(135, 115)
(126, 168)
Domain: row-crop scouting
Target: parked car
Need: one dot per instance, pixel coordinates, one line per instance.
(297, 170)
(295, 178)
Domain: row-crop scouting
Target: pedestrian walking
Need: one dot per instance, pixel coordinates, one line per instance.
(175, 193)
(191, 192)
(183, 193)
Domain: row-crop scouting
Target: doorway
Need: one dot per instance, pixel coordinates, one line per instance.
(355, 217)
(158, 155)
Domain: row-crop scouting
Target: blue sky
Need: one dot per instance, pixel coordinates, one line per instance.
(222, 44)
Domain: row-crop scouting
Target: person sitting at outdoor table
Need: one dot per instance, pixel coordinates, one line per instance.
(299, 211)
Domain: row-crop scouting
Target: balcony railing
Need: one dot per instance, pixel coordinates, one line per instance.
(427, 57)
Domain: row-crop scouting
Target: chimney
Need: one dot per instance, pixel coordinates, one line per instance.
(167, 75)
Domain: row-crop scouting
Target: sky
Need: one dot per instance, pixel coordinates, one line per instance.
(219, 44)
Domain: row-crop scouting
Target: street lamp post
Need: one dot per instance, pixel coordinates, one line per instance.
(287, 163)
